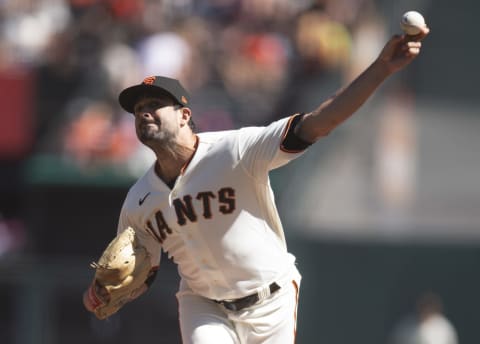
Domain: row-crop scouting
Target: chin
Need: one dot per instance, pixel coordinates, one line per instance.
(147, 134)
(148, 138)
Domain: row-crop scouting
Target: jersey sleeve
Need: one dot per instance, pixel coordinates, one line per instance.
(270, 147)
(153, 248)
(291, 142)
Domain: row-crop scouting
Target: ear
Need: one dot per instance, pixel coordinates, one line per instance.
(185, 116)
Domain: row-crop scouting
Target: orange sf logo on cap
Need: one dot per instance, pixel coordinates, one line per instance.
(149, 80)
(184, 100)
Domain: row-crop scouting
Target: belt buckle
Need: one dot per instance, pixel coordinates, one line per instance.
(230, 305)
(247, 301)
(239, 304)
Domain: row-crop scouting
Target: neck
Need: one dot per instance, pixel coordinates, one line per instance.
(171, 160)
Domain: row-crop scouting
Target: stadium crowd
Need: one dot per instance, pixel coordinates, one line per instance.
(243, 61)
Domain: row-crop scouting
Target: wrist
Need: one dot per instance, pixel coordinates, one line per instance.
(91, 299)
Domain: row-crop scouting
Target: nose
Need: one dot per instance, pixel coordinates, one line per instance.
(144, 115)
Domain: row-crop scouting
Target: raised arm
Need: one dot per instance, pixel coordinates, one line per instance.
(397, 53)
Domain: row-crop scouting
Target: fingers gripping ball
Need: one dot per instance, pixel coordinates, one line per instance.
(412, 23)
(120, 274)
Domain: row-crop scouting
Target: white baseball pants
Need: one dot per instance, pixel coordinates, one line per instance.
(271, 321)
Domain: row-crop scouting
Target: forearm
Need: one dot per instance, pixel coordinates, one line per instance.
(397, 53)
(343, 104)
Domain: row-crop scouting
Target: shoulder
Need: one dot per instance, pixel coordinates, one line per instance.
(215, 136)
(275, 127)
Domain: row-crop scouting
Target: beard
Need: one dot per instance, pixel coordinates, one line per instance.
(155, 138)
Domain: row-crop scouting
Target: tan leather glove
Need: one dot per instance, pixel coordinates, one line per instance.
(120, 275)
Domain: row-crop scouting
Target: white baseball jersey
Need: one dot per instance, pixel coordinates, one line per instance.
(219, 223)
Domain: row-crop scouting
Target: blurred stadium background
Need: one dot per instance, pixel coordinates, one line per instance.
(384, 210)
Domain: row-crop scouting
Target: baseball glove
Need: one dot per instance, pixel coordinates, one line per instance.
(120, 274)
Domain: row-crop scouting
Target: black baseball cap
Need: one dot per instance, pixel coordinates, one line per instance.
(153, 86)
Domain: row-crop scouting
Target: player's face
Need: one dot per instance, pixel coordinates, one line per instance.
(156, 120)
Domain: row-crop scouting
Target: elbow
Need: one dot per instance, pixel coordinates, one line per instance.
(314, 127)
(323, 132)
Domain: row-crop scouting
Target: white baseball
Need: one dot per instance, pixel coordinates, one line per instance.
(412, 23)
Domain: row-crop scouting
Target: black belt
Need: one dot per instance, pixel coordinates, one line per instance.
(247, 301)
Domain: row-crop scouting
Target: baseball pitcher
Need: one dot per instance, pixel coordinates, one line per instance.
(207, 203)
